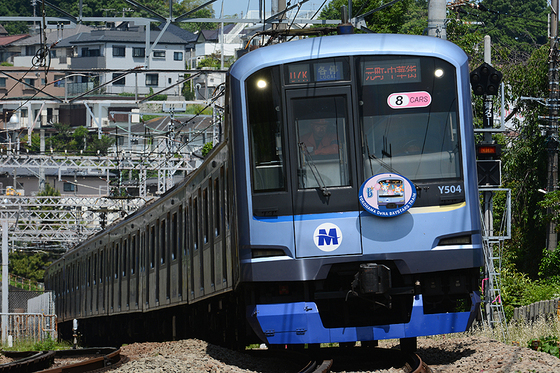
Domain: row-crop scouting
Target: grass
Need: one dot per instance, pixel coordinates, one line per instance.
(48, 344)
(518, 332)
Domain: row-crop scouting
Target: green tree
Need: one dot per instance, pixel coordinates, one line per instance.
(30, 266)
(388, 20)
(524, 166)
(519, 25)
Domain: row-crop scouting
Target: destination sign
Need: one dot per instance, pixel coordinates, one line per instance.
(299, 73)
(391, 71)
(325, 70)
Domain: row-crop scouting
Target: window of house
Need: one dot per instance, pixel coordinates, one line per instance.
(87, 52)
(69, 187)
(29, 82)
(152, 79)
(3, 82)
(121, 81)
(138, 52)
(119, 50)
(30, 50)
(159, 54)
(59, 81)
(178, 56)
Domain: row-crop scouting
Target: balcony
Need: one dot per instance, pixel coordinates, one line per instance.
(75, 89)
(79, 63)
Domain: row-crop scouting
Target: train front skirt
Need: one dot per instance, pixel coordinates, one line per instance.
(300, 323)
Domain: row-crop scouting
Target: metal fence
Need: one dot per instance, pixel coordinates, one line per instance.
(29, 326)
(30, 316)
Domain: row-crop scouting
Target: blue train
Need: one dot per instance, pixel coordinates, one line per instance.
(341, 206)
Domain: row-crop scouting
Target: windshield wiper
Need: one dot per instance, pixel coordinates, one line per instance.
(308, 159)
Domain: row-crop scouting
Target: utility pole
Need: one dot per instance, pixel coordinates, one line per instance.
(436, 18)
(552, 128)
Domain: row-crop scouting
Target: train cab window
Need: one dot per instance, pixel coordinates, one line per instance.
(321, 141)
(266, 131)
(408, 114)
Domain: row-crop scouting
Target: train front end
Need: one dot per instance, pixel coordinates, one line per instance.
(356, 191)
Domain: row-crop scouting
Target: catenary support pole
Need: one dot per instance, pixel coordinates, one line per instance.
(5, 280)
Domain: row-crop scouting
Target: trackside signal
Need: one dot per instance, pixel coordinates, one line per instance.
(485, 80)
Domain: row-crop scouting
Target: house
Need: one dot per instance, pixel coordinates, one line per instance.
(68, 181)
(59, 58)
(188, 37)
(7, 44)
(226, 40)
(34, 100)
(121, 49)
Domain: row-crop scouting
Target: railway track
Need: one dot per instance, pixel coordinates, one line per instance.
(368, 359)
(77, 361)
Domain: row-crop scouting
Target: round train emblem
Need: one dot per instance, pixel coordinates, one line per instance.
(387, 195)
(327, 237)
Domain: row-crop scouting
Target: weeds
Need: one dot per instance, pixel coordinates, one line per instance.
(48, 344)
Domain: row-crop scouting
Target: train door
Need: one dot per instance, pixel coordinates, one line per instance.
(323, 171)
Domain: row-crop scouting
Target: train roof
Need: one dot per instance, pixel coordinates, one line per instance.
(342, 45)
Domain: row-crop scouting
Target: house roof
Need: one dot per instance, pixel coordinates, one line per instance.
(186, 35)
(12, 39)
(132, 35)
(213, 35)
(54, 35)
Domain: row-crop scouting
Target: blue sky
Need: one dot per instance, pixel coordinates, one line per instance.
(237, 6)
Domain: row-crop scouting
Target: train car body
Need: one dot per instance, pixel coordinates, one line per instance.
(322, 267)
(341, 206)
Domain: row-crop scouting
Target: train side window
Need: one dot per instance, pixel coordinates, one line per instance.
(226, 196)
(101, 266)
(187, 231)
(205, 215)
(163, 241)
(266, 130)
(133, 255)
(217, 207)
(174, 234)
(195, 223)
(116, 261)
(152, 246)
(124, 258)
(94, 269)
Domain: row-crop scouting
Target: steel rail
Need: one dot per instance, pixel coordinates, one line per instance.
(40, 362)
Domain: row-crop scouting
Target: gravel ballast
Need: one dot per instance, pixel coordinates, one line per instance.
(457, 355)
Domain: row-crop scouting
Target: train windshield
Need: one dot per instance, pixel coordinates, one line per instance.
(408, 113)
(322, 141)
(266, 130)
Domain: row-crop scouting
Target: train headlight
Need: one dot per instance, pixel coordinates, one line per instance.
(261, 84)
(438, 73)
